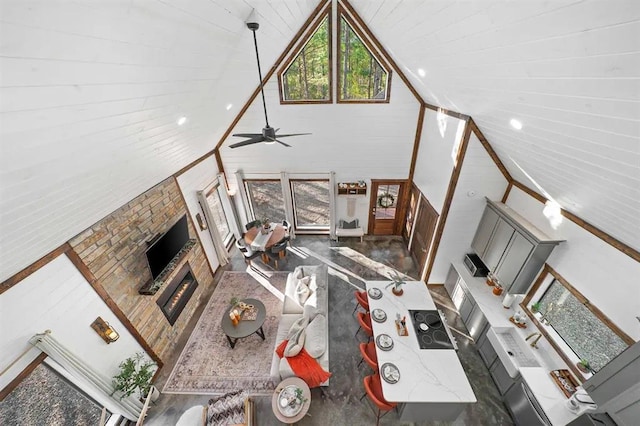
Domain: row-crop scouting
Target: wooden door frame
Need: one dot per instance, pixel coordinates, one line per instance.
(401, 204)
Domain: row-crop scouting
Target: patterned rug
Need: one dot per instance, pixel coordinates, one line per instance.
(207, 365)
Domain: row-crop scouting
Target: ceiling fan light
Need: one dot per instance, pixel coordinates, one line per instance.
(269, 142)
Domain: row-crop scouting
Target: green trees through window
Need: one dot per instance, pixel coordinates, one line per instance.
(361, 76)
(307, 78)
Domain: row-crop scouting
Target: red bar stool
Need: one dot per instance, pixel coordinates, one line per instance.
(368, 351)
(373, 389)
(362, 300)
(364, 319)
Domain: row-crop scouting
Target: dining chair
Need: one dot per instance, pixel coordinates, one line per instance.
(373, 389)
(278, 251)
(368, 351)
(287, 230)
(247, 252)
(252, 224)
(364, 319)
(361, 300)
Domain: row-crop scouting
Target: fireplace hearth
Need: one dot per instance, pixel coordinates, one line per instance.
(177, 294)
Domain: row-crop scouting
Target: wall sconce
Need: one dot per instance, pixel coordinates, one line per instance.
(201, 222)
(105, 331)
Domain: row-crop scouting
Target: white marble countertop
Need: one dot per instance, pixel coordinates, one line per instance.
(431, 375)
(546, 391)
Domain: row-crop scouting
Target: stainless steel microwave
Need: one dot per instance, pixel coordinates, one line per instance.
(474, 265)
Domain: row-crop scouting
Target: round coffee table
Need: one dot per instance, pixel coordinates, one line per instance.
(245, 327)
(306, 393)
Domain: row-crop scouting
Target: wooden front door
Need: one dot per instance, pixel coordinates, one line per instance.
(385, 217)
(425, 225)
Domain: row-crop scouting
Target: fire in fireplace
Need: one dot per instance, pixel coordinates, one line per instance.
(174, 299)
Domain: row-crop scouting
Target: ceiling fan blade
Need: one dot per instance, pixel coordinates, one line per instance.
(292, 134)
(247, 135)
(280, 142)
(256, 139)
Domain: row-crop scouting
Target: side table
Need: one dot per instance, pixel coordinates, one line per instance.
(306, 392)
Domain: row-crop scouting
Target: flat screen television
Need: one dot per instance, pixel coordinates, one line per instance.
(164, 249)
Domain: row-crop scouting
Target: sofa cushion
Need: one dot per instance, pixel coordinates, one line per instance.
(296, 337)
(302, 290)
(291, 304)
(315, 341)
(315, 303)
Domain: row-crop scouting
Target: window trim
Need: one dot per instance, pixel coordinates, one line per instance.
(250, 208)
(309, 229)
(217, 188)
(342, 13)
(542, 283)
(294, 55)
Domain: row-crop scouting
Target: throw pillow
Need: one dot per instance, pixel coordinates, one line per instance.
(298, 273)
(296, 337)
(315, 341)
(226, 409)
(350, 225)
(311, 307)
(302, 291)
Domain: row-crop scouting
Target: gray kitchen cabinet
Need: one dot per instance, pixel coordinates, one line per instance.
(500, 376)
(476, 322)
(499, 241)
(487, 352)
(485, 230)
(515, 251)
(451, 281)
(616, 386)
(466, 307)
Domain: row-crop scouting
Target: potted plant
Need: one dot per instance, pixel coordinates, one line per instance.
(135, 375)
(266, 224)
(584, 366)
(397, 282)
(299, 397)
(535, 307)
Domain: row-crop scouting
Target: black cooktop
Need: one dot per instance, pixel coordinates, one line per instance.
(430, 330)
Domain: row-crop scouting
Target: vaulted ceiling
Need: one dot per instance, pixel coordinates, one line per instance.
(90, 93)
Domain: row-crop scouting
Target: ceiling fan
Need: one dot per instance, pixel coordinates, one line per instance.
(269, 134)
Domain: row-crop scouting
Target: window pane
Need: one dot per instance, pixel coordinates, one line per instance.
(311, 203)
(266, 199)
(219, 217)
(361, 75)
(387, 201)
(585, 333)
(307, 77)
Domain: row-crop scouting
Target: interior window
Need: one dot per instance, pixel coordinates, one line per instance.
(387, 201)
(308, 76)
(580, 332)
(265, 199)
(219, 216)
(311, 204)
(361, 76)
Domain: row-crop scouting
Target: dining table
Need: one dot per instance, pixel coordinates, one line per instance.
(258, 241)
(430, 384)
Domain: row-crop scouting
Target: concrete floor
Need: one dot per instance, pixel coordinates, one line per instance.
(339, 404)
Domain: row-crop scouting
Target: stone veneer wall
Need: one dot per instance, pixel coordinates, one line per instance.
(114, 251)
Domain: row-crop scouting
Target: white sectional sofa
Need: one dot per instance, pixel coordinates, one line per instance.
(292, 311)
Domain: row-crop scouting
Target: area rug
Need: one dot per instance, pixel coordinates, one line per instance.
(208, 365)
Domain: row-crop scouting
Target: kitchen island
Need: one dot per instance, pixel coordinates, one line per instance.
(432, 384)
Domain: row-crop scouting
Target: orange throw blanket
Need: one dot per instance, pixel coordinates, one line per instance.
(305, 366)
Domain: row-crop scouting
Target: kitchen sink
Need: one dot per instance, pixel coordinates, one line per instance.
(512, 349)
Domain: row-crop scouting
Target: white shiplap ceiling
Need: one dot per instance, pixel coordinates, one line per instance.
(568, 70)
(90, 92)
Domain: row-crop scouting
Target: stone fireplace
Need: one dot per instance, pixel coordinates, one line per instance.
(177, 294)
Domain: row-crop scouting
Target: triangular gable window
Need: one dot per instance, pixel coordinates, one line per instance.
(361, 76)
(307, 78)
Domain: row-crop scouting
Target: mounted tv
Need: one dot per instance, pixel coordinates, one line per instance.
(164, 249)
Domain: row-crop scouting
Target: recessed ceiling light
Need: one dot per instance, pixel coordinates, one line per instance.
(516, 124)
(182, 120)
(421, 72)
(229, 106)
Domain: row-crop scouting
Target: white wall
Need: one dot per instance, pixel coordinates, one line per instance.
(356, 141)
(58, 298)
(191, 181)
(604, 275)
(479, 175)
(440, 134)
